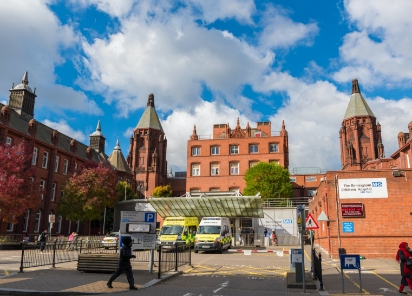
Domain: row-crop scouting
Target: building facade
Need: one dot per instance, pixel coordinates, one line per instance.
(363, 209)
(55, 156)
(147, 152)
(220, 163)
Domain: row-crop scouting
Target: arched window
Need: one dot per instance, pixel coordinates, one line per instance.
(26, 220)
(37, 221)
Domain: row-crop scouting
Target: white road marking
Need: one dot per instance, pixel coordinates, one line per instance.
(223, 285)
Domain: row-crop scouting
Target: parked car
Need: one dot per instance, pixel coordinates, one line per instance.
(110, 240)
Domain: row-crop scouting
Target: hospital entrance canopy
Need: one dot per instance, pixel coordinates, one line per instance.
(209, 204)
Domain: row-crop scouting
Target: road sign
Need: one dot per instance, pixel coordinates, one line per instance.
(52, 218)
(311, 222)
(350, 262)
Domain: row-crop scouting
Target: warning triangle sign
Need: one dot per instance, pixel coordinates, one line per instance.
(311, 223)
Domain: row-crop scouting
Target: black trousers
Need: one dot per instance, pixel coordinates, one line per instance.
(129, 274)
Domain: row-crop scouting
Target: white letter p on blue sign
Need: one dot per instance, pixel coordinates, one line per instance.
(149, 217)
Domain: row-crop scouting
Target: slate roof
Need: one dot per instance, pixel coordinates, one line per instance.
(44, 135)
(118, 161)
(357, 104)
(150, 119)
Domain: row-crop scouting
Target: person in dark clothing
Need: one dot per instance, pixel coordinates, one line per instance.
(403, 256)
(42, 240)
(265, 233)
(252, 236)
(124, 264)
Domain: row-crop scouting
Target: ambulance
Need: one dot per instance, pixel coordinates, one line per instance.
(178, 229)
(213, 234)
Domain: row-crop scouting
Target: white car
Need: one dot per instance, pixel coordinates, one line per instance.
(110, 240)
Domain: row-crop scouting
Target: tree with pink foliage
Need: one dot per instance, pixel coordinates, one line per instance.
(18, 191)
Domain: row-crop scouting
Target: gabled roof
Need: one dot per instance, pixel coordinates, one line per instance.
(149, 118)
(118, 161)
(357, 104)
(43, 134)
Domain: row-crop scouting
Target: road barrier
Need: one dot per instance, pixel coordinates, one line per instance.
(317, 268)
(173, 257)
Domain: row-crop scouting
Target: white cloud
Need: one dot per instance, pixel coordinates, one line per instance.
(174, 60)
(34, 38)
(281, 32)
(212, 10)
(208, 11)
(3, 102)
(379, 50)
(64, 128)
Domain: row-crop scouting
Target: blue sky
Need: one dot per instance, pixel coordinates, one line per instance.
(209, 62)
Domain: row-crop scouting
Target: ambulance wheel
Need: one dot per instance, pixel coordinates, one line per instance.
(196, 251)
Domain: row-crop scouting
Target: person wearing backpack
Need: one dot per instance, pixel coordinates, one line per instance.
(42, 240)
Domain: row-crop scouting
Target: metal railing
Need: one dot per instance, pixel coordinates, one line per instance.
(170, 258)
(317, 268)
(284, 203)
(42, 253)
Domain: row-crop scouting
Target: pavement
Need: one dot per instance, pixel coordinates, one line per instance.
(378, 277)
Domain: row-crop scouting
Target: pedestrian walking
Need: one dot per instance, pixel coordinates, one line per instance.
(42, 240)
(404, 257)
(25, 239)
(252, 236)
(124, 263)
(265, 233)
(274, 238)
(70, 241)
(239, 235)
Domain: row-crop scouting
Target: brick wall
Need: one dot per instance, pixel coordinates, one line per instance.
(386, 224)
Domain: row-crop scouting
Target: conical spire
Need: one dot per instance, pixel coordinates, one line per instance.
(357, 104)
(355, 86)
(98, 128)
(98, 131)
(117, 147)
(25, 79)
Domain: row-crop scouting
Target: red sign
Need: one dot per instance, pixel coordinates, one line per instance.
(352, 210)
(311, 222)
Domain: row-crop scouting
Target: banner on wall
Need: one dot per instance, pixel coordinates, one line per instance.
(363, 188)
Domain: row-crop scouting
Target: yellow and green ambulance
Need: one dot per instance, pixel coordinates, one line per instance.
(178, 229)
(213, 234)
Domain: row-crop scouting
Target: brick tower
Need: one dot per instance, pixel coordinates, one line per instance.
(360, 134)
(147, 152)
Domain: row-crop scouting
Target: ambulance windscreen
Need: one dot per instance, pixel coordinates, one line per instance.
(171, 230)
(208, 230)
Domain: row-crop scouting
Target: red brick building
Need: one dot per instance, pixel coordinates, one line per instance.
(220, 163)
(363, 209)
(147, 152)
(55, 155)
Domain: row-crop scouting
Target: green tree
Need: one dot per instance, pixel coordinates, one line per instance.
(162, 191)
(270, 179)
(123, 186)
(87, 192)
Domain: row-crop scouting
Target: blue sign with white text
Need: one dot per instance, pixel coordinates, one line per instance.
(348, 227)
(350, 262)
(149, 217)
